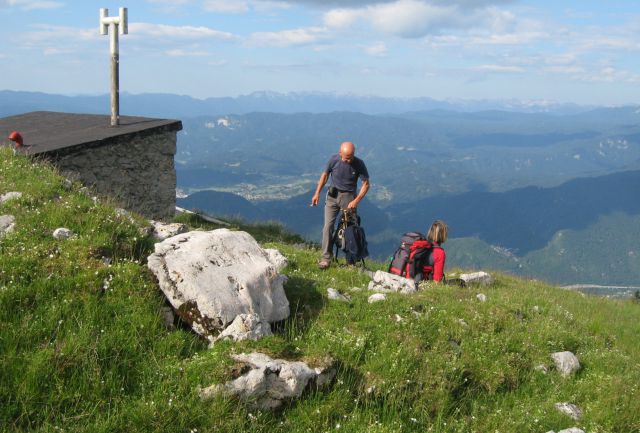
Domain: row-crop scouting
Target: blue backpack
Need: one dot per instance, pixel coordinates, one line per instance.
(350, 238)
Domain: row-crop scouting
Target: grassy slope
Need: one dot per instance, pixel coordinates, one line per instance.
(82, 346)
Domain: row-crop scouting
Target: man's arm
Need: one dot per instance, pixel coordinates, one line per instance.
(363, 191)
(321, 182)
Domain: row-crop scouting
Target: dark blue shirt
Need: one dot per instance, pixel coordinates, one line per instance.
(344, 176)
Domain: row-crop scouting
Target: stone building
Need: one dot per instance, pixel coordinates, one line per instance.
(132, 162)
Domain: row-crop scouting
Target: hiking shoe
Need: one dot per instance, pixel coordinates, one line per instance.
(324, 263)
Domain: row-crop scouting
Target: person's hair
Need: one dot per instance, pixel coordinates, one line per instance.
(438, 232)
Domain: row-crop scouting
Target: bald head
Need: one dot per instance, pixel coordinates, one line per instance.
(347, 151)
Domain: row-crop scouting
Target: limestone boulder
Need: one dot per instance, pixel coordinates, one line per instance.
(271, 382)
(212, 277)
(386, 282)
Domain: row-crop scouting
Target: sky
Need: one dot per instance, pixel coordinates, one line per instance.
(580, 51)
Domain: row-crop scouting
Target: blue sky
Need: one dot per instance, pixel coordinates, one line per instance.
(582, 51)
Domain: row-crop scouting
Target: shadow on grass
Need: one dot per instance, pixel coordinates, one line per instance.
(305, 302)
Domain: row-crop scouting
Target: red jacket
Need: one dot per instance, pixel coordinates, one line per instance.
(435, 272)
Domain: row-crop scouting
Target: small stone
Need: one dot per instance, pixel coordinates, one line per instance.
(462, 323)
(67, 184)
(377, 298)
(572, 430)
(398, 318)
(481, 278)
(7, 224)
(566, 363)
(13, 195)
(336, 295)
(168, 317)
(386, 282)
(570, 410)
(62, 233)
(541, 368)
(162, 231)
(481, 297)
(536, 309)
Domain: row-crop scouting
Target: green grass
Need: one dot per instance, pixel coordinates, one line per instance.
(83, 348)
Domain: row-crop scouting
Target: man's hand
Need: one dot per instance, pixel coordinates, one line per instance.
(353, 204)
(315, 199)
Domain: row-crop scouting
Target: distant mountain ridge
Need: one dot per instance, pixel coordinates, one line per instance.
(519, 230)
(171, 105)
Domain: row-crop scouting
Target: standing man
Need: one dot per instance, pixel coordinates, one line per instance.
(345, 169)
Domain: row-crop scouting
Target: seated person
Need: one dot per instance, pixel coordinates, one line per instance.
(437, 235)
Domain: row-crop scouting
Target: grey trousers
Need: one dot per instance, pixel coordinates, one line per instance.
(332, 208)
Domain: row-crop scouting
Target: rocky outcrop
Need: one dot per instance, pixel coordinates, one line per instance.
(212, 277)
(386, 282)
(271, 382)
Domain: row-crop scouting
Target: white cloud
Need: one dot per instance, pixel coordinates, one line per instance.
(501, 69)
(378, 49)
(564, 69)
(242, 6)
(177, 32)
(225, 6)
(29, 5)
(287, 38)
(184, 53)
(418, 18)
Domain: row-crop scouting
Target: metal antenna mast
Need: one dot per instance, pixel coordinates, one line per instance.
(113, 25)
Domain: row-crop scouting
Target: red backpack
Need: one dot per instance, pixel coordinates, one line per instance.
(413, 259)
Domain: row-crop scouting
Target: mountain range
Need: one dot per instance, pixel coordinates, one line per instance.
(547, 191)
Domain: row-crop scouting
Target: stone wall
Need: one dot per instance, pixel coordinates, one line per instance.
(135, 169)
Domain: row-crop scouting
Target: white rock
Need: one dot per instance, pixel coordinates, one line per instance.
(566, 363)
(481, 297)
(386, 282)
(246, 327)
(276, 258)
(336, 295)
(570, 410)
(270, 382)
(541, 368)
(10, 196)
(481, 278)
(62, 233)
(7, 224)
(211, 277)
(162, 231)
(377, 297)
(572, 430)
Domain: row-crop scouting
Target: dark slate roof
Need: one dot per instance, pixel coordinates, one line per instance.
(52, 132)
